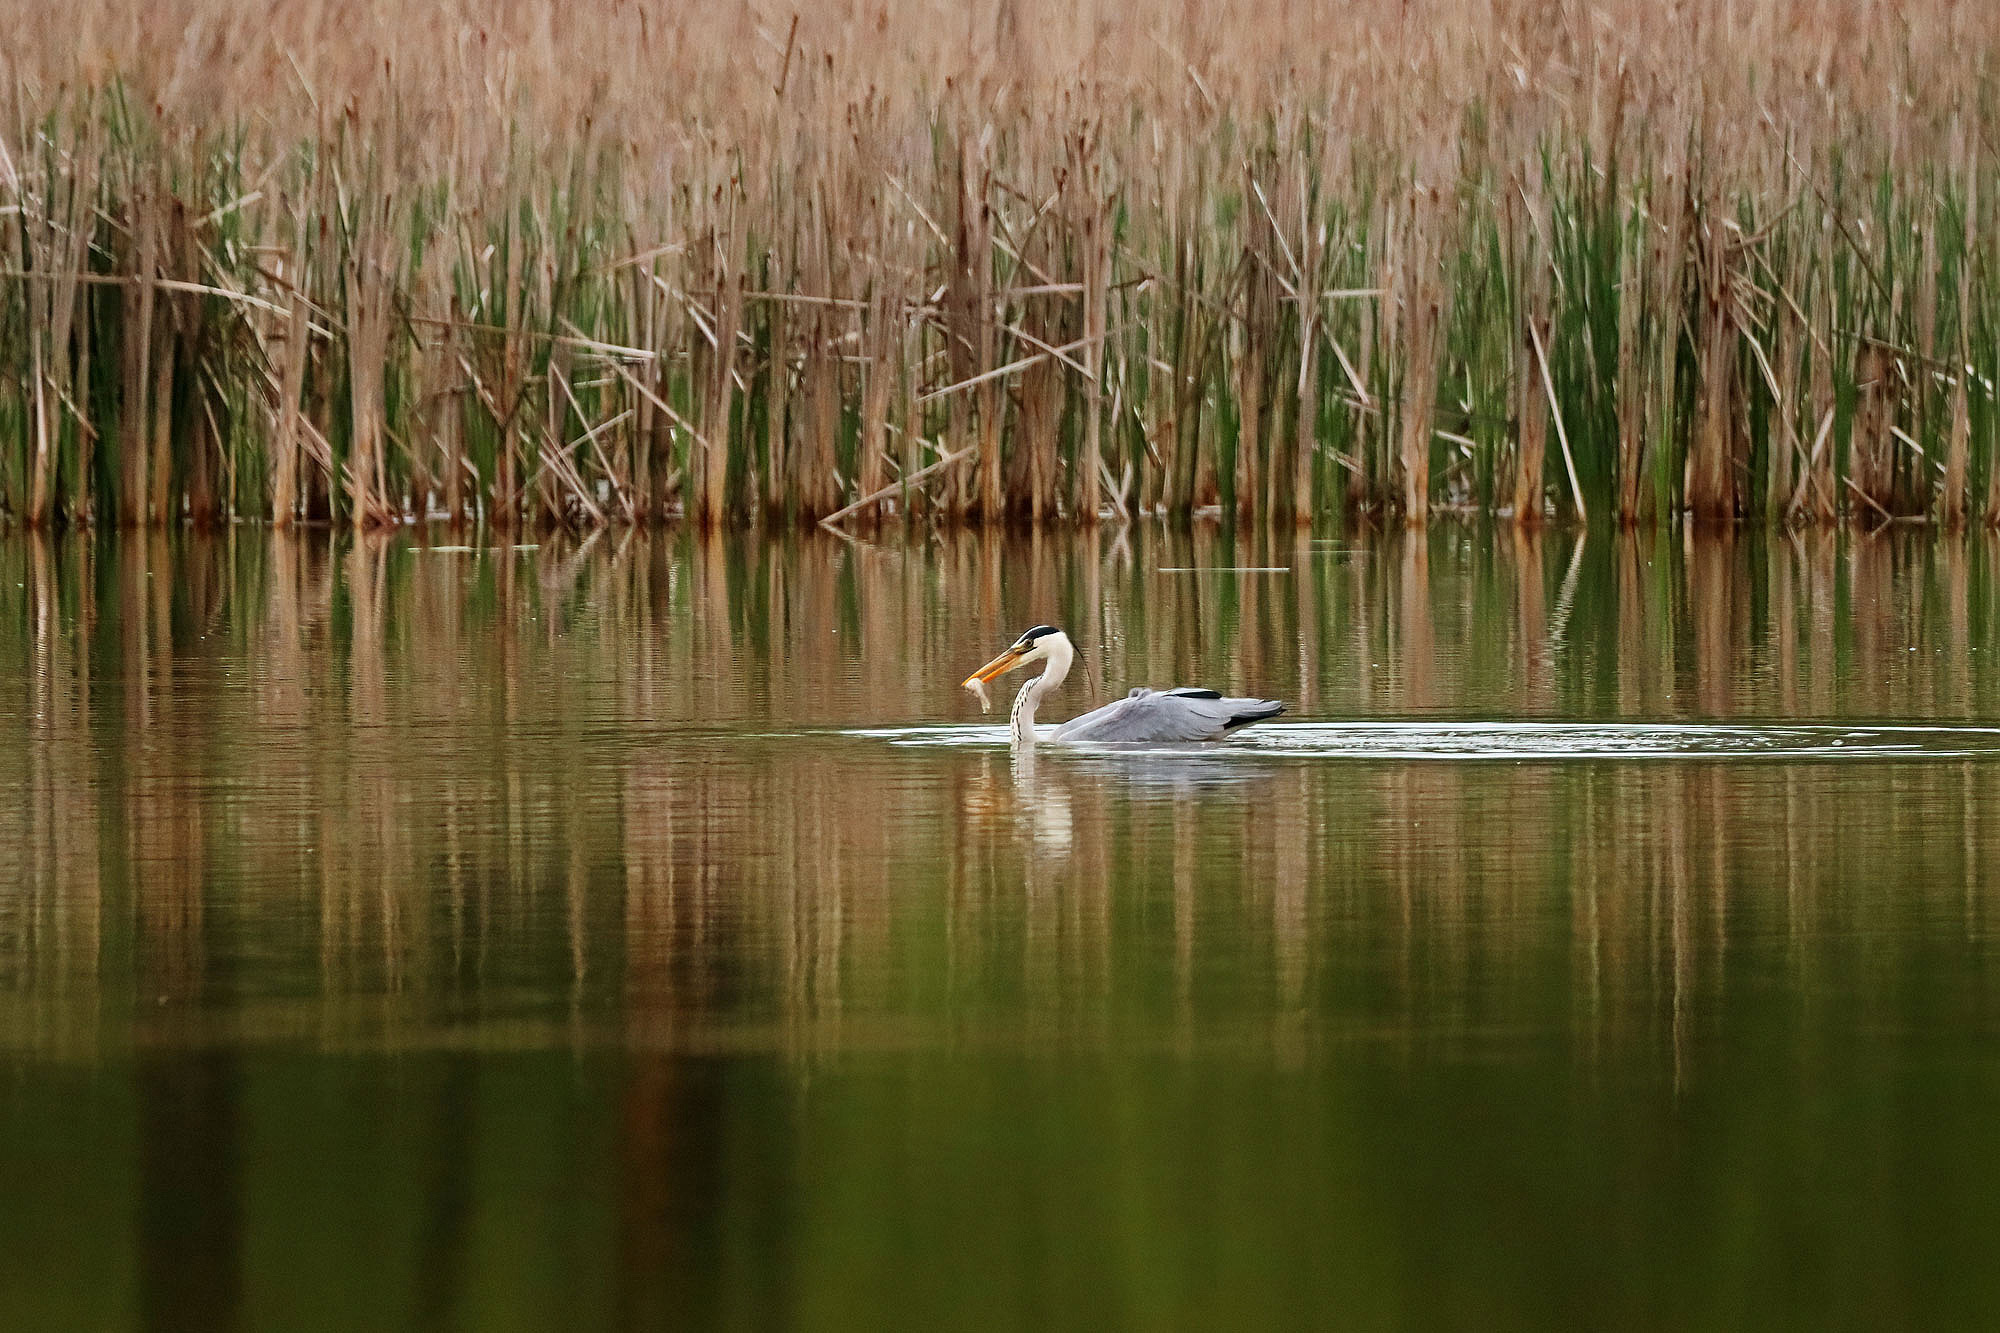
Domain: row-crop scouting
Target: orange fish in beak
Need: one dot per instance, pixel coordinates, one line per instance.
(1015, 656)
(999, 666)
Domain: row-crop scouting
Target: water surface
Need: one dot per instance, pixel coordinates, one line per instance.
(643, 932)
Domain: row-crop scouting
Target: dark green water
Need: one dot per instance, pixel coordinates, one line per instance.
(644, 934)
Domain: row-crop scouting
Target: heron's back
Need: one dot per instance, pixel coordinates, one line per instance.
(1166, 715)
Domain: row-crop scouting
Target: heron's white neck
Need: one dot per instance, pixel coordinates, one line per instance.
(1061, 654)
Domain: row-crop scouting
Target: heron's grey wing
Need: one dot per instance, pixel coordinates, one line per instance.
(1167, 715)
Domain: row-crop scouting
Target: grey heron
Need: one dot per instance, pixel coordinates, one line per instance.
(1141, 716)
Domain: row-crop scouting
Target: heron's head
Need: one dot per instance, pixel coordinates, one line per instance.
(1038, 644)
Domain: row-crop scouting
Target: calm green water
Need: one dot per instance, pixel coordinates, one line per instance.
(644, 934)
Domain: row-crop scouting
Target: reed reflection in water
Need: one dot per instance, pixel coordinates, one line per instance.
(400, 937)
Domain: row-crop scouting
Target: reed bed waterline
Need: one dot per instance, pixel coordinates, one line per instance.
(1007, 262)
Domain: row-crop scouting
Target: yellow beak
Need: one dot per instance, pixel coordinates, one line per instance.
(999, 666)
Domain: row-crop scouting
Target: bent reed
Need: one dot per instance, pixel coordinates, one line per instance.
(1012, 260)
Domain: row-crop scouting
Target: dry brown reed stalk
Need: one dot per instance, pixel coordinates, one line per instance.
(1093, 239)
(1710, 481)
(884, 340)
(289, 353)
(135, 353)
(1304, 448)
(1786, 451)
(1952, 503)
(1418, 287)
(1249, 348)
(56, 225)
(777, 387)
(382, 261)
(1958, 447)
(1047, 319)
(724, 289)
(816, 427)
(1635, 406)
(1532, 419)
(368, 284)
(1814, 499)
(1872, 460)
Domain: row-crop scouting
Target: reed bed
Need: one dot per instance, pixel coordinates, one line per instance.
(1007, 261)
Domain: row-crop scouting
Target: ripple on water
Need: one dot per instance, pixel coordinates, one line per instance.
(1453, 740)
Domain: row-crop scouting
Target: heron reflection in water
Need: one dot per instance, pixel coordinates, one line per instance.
(1141, 717)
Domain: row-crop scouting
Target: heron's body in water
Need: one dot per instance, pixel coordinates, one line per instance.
(1141, 717)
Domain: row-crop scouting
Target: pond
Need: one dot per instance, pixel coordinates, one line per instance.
(411, 933)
